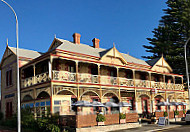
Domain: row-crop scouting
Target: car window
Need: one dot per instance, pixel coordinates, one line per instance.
(188, 112)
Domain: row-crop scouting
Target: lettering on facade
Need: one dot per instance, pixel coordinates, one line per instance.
(9, 95)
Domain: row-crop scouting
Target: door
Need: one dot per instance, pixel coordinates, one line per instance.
(9, 109)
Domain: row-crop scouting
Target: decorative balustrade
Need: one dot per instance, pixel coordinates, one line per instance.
(89, 78)
(85, 78)
(170, 86)
(28, 82)
(142, 83)
(40, 78)
(64, 76)
(126, 82)
(179, 87)
(109, 80)
(95, 79)
(157, 85)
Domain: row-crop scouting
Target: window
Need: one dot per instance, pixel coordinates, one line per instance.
(159, 107)
(131, 102)
(9, 81)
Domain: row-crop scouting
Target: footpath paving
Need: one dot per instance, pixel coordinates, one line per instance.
(149, 128)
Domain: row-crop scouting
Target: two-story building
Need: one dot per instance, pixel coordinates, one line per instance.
(71, 71)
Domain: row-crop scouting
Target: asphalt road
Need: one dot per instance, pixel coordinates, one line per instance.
(182, 128)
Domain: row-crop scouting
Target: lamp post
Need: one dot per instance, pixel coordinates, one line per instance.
(186, 66)
(18, 83)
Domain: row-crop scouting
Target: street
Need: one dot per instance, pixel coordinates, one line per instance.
(174, 126)
(182, 128)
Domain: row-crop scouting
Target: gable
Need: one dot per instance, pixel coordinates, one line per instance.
(6, 54)
(113, 56)
(162, 66)
(55, 44)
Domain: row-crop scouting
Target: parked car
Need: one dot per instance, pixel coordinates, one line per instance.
(187, 117)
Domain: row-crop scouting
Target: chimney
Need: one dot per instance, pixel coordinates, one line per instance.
(76, 38)
(96, 43)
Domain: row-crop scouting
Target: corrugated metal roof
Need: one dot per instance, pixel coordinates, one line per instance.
(152, 61)
(98, 52)
(26, 53)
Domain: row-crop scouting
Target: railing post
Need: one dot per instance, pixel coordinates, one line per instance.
(164, 79)
(34, 69)
(136, 105)
(77, 80)
(118, 83)
(99, 81)
(149, 73)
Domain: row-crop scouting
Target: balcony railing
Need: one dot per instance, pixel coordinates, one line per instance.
(126, 82)
(89, 78)
(108, 80)
(40, 78)
(142, 83)
(64, 76)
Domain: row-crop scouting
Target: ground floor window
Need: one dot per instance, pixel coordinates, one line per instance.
(62, 106)
(39, 108)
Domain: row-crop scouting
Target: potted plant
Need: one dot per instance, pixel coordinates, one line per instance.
(122, 118)
(100, 119)
(176, 113)
(184, 112)
(165, 114)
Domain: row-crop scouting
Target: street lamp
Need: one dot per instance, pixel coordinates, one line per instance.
(18, 83)
(186, 65)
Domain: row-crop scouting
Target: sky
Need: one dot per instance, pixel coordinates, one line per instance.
(127, 23)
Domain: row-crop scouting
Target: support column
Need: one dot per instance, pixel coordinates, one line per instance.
(99, 80)
(151, 93)
(136, 105)
(51, 87)
(173, 77)
(34, 89)
(118, 83)
(77, 80)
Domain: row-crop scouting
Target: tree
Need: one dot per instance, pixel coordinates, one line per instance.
(171, 34)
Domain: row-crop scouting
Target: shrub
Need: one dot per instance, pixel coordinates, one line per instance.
(1, 115)
(176, 112)
(122, 116)
(100, 118)
(52, 128)
(165, 114)
(184, 112)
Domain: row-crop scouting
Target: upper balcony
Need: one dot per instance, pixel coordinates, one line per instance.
(85, 73)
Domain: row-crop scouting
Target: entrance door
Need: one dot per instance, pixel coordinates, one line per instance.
(9, 109)
(145, 106)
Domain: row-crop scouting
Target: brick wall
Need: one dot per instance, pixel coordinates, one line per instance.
(132, 117)
(85, 120)
(112, 119)
(159, 114)
(68, 120)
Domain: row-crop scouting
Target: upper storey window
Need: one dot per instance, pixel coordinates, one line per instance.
(9, 80)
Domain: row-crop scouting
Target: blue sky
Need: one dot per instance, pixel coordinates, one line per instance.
(127, 23)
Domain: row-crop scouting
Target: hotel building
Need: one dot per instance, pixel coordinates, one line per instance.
(69, 71)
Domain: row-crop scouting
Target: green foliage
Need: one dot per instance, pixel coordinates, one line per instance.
(165, 114)
(171, 34)
(122, 116)
(176, 112)
(1, 116)
(44, 124)
(184, 112)
(52, 128)
(100, 118)
(10, 122)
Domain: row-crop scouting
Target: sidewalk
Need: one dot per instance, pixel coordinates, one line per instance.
(149, 128)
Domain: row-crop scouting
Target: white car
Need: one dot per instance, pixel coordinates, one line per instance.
(187, 117)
